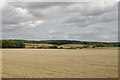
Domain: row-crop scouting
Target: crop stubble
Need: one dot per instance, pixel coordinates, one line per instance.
(60, 63)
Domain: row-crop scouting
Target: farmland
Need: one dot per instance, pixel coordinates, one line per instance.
(60, 63)
(55, 44)
(68, 46)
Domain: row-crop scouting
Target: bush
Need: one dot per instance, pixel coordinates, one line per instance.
(61, 47)
(42, 47)
(86, 46)
(93, 46)
(53, 47)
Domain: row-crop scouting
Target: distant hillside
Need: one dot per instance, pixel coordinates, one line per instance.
(18, 43)
(60, 42)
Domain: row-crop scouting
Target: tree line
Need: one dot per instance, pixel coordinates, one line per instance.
(12, 44)
(20, 43)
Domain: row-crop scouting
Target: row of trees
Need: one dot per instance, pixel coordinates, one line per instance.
(12, 44)
(49, 47)
(61, 42)
(20, 43)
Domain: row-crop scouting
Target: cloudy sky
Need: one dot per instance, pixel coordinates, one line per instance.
(84, 21)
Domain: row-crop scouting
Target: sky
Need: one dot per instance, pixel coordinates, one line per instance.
(82, 21)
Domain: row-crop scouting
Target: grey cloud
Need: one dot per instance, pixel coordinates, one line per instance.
(54, 32)
(91, 35)
(84, 21)
(98, 33)
(20, 16)
(92, 9)
(38, 5)
(13, 15)
(85, 14)
(43, 9)
(44, 4)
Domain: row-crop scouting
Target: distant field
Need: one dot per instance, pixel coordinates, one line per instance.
(60, 63)
(28, 45)
(71, 45)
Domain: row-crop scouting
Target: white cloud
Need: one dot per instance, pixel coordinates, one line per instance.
(38, 22)
(66, 37)
(3, 4)
(31, 24)
(49, 37)
(22, 11)
(55, 32)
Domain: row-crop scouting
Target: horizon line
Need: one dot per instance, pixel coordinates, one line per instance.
(65, 39)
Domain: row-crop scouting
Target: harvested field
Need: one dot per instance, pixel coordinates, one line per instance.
(71, 45)
(60, 63)
(27, 45)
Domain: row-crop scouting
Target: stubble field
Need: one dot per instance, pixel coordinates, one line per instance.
(60, 63)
